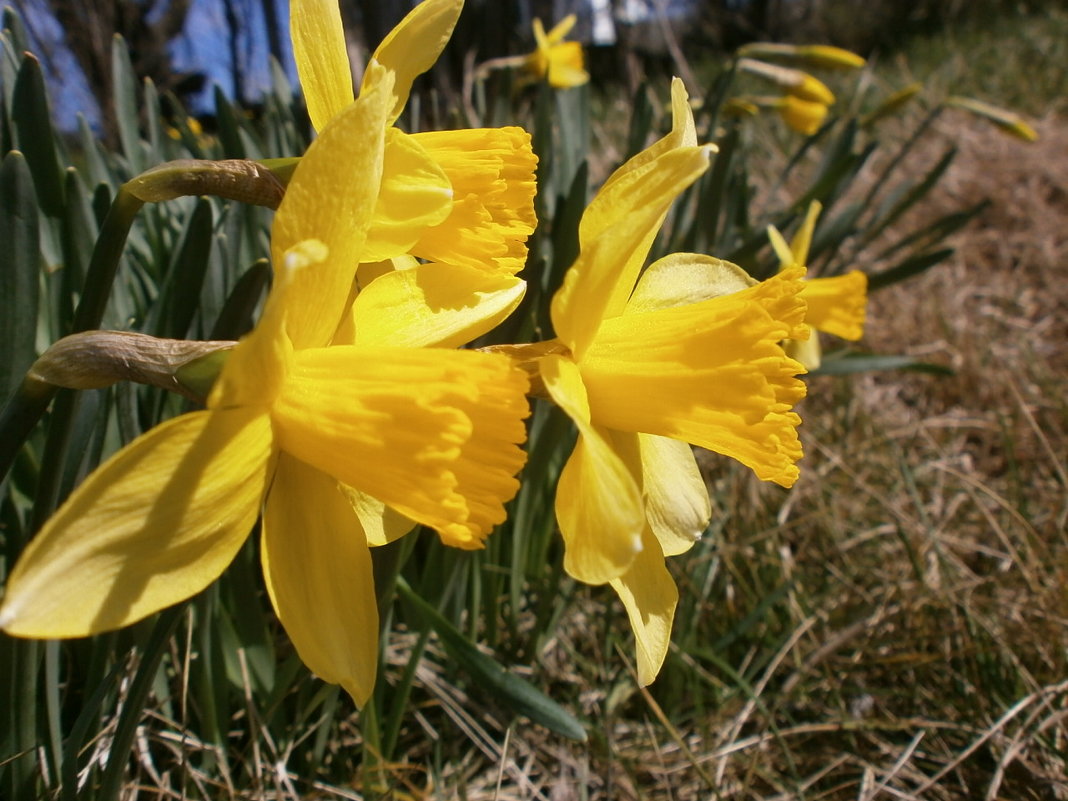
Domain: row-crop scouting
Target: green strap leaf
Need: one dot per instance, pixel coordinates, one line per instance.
(35, 135)
(911, 266)
(19, 271)
(868, 362)
(124, 83)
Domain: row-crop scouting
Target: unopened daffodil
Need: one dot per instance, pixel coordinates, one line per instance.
(835, 304)
(290, 421)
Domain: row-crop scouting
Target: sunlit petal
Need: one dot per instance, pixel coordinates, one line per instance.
(153, 525)
(415, 194)
(650, 596)
(412, 47)
(683, 278)
(440, 305)
(318, 571)
(330, 199)
(683, 134)
(616, 233)
(322, 58)
(598, 500)
(710, 373)
(433, 433)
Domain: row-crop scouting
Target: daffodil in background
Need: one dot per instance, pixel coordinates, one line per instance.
(687, 353)
(836, 304)
(290, 420)
(554, 60)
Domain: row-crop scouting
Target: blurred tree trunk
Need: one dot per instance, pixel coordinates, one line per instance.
(147, 26)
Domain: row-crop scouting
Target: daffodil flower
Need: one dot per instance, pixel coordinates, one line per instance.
(452, 197)
(460, 200)
(687, 353)
(291, 419)
(554, 60)
(835, 304)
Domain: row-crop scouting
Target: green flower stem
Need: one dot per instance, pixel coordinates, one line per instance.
(29, 403)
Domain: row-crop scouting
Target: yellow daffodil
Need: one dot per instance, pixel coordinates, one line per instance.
(554, 60)
(836, 304)
(456, 197)
(290, 420)
(688, 353)
(460, 200)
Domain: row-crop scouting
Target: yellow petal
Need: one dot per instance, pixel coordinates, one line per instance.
(438, 305)
(414, 45)
(153, 525)
(598, 501)
(322, 58)
(837, 304)
(433, 433)
(415, 195)
(381, 524)
(802, 241)
(683, 278)
(330, 199)
(491, 171)
(318, 572)
(615, 235)
(559, 30)
(650, 596)
(710, 373)
(260, 362)
(677, 506)
(683, 133)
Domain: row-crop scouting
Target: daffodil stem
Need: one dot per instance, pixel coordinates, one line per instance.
(29, 403)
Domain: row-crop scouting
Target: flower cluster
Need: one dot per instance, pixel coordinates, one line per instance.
(353, 412)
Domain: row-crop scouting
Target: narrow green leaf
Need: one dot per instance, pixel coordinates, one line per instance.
(36, 136)
(96, 161)
(124, 85)
(12, 23)
(868, 362)
(235, 319)
(939, 230)
(229, 127)
(510, 690)
(641, 121)
(174, 309)
(908, 268)
(904, 196)
(77, 234)
(19, 272)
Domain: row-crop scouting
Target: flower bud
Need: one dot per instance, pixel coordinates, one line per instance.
(96, 359)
